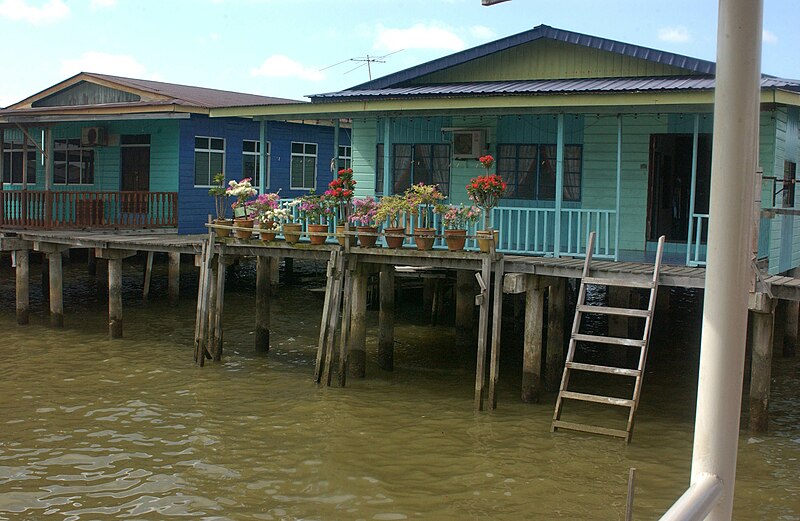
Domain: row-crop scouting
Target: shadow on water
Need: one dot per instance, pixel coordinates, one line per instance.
(100, 429)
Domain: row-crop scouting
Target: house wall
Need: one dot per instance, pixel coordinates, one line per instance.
(783, 141)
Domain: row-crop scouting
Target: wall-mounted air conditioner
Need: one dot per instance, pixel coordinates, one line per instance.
(94, 136)
(468, 143)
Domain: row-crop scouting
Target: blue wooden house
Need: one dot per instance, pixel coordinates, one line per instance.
(591, 134)
(105, 151)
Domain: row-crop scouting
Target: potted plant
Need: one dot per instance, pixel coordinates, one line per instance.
(220, 194)
(486, 191)
(390, 209)
(315, 209)
(267, 212)
(422, 199)
(456, 220)
(243, 191)
(364, 211)
(291, 230)
(340, 193)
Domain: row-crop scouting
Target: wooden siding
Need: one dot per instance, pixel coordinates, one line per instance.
(547, 59)
(364, 143)
(784, 244)
(85, 93)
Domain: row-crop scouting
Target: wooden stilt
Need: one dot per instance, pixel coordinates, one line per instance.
(497, 322)
(347, 309)
(532, 344)
(211, 321)
(148, 273)
(761, 366)
(115, 298)
(222, 262)
(427, 295)
(386, 319)
(465, 307)
(326, 312)
(174, 274)
(23, 286)
(483, 326)
(336, 299)
(554, 358)
(91, 262)
(203, 292)
(274, 271)
(263, 285)
(56, 277)
(357, 349)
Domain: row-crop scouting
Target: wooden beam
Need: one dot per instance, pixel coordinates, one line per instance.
(554, 358)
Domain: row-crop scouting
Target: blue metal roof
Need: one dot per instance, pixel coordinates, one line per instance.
(541, 32)
(532, 87)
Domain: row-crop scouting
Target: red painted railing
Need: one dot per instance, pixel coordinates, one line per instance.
(48, 209)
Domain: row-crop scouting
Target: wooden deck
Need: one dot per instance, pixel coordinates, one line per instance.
(130, 240)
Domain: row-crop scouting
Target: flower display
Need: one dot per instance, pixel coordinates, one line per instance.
(487, 161)
(219, 192)
(340, 192)
(266, 208)
(458, 217)
(423, 198)
(390, 209)
(315, 207)
(486, 191)
(242, 191)
(364, 211)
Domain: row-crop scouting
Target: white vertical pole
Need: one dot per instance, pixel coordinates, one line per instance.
(263, 184)
(559, 199)
(619, 186)
(693, 187)
(736, 109)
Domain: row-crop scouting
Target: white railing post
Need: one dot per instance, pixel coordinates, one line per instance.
(697, 501)
(619, 186)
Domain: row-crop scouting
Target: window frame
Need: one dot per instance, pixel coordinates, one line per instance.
(13, 148)
(413, 159)
(545, 152)
(344, 160)
(304, 155)
(67, 144)
(208, 151)
(255, 176)
(789, 180)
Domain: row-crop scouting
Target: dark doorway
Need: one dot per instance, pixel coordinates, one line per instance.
(669, 191)
(135, 171)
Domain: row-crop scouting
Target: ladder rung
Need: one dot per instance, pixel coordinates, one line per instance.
(630, 342)
(605, 310)
(621, 371)
(559, 424)
(624, 283)
(608, 400)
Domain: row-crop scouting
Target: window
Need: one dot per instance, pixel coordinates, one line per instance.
(72, 164)
(345, 157)
(789, 177)
(251, 161)
(209, 159)
(13, 157)
(530, 171)
(304, 166)
(421, 163)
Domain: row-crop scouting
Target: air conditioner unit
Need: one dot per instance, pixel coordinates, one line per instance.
(468, 144)
(94, 136)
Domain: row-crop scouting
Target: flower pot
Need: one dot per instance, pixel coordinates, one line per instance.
(395, 237)
(455, 239)
(340, 236)
(485, 237)
(291, 232)
(317, 233)
(223, 232)
(244, 222)
(267, 235)
(424, 238)
(367, 235)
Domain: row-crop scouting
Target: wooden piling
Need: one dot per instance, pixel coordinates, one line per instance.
(333, 316)
(325, 333)
(56, 278)
(91, 262)
(211, 321)
(45, 269)
(482, 300)
(174, 277)
(263, 290)
(497, 322)
(148, 273)
(386, 319)
(219, 305)
(762, 317)
(357, 357)
(347, 310)
(554, 357)
(115, 298)
(23, 286)
(532, 343)
(428, 290)
(465, 307)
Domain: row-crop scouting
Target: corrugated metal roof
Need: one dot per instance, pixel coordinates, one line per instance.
(565, 86)
(541, 32)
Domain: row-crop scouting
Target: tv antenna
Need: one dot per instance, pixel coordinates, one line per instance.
(365, 61)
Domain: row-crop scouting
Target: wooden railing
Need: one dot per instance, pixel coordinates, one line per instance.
(48, 209)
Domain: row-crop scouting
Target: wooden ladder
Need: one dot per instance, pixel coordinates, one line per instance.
(577, 339)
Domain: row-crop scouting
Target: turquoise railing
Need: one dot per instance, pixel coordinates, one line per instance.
(696, 244)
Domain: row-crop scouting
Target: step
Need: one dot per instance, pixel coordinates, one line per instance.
(621, 371)
(623, 283)
(607, 400)
(605, 310)
(629, 342)
(559, 424)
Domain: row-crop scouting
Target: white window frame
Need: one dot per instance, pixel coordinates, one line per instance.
(56, 149)
(346, 159)
(210, 151)
(303, 155)
(257, 156)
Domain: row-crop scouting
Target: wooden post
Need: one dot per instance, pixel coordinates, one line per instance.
(762, 320)
(263, 286)
(554, 358)
(338, 274)
(274, 272)
(325, 331)
(532, 344)
(56, 277)
(148, 273)
(482, 300)
(211, 319)
(357, 357)
(91, 262)
(347, 309)
(115, 298)
(427, 295)
(386, 319)
(497, 321)
(23, 286)
(465, 307)
(222, 262)
(174, 273)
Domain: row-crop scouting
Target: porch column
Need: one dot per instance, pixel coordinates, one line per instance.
(262, 157)
(387, 153)
(47, 151)
(559, 199)
(23, 214)
(619, 187)
(335, 164)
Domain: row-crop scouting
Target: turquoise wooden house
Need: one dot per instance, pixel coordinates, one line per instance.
(99, 151)
(591, 134)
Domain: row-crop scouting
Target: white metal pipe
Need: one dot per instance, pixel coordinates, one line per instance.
(736, 110)
(697, 501)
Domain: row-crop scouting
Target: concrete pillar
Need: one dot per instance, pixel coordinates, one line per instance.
(56, 276)
(532, 344)
(761, 367)
(23, 286)
(357, 357)
(115, 298)
(465, 307)
(386, 319)
(174, 274)
(554, 359)
(263, 289)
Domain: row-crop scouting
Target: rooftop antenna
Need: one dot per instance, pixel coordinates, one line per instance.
(366, 60)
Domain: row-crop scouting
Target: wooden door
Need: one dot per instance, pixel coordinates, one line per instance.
(135, 172)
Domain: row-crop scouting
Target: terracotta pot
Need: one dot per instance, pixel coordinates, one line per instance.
(267, 236)
(340, 236)
(367, 235)
(395, 237)
(223, 232)
(291, 232)
(243, 222)
(424, 238)
(317, 233)
(455, 239)
(485, 237)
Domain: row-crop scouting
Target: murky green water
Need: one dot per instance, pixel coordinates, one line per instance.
(98, 429)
